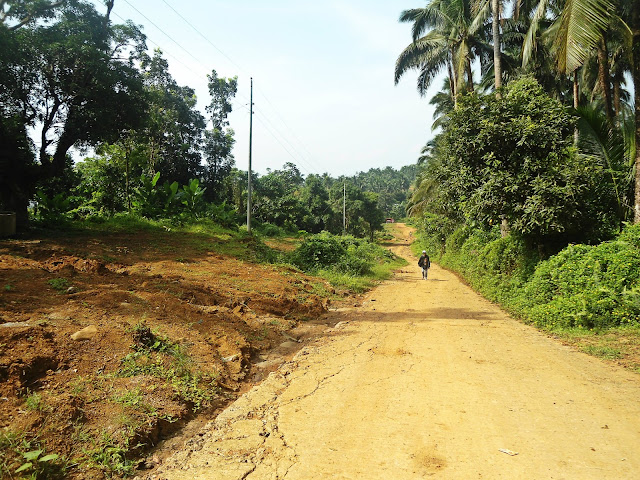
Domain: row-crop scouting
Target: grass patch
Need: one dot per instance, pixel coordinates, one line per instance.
(34, 402)
(109, 456)
(621, 344)
(159, 357)
(603, 351)
(25, 457)
(59, 284)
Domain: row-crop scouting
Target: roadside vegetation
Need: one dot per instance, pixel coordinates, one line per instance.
(529, 189)
(182, 309)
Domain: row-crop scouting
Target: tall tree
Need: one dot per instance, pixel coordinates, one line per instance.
(173, 128)
(89, 89)
(219, 139)
(580, 29)
(71, 77)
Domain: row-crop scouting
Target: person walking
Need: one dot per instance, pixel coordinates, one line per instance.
(424, 264)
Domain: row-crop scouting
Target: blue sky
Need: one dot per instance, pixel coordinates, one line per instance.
(323, 76)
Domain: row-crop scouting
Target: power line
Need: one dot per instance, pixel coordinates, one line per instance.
(164, 52)
(281, 144)
(287, 126)
(166, 34)
(240, 68)
(290, 145)
(300, 157)
(202, 35)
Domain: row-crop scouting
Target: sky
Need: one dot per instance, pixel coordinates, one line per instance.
(324, 96)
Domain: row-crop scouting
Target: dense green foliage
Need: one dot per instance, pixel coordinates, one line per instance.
(342, 254)
(79, 80)
(583, 286)
(512, 160)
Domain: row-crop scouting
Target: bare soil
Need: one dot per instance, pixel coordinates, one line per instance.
(425, 380)
(236, 321)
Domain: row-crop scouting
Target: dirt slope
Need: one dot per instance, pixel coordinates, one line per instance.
(124, 388)
(426, 380)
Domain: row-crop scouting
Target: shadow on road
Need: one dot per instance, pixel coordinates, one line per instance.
(429, 315)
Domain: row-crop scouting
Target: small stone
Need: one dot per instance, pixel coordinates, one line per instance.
(14, 324)
(86, 333)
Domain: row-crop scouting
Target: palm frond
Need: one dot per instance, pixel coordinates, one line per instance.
(601, 140)
(481, 11)
(580, 28)
(418, 54)
(529, 44)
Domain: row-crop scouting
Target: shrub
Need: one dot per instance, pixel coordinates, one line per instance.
(586, 286)
(347, 254)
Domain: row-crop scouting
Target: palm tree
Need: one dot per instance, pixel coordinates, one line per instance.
(443, 104)
(452, 41)
(581, 28)
(495, 28)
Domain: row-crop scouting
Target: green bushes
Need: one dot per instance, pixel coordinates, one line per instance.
(594, 287)
(341, 254)
(586, 286)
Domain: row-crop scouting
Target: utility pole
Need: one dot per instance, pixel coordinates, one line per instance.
(344, 208)
(249, 174)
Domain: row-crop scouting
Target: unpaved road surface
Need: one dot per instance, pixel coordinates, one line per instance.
(426, 380)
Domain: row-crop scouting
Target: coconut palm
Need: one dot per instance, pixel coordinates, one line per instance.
(451, 41)
(580, 29)
(443, 104)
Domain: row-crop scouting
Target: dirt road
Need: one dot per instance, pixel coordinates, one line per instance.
(426, 380)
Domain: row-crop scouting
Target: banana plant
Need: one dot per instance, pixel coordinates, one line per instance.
(192, 197)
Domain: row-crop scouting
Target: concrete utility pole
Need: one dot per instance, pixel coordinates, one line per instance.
(344, 208)
(249, 174)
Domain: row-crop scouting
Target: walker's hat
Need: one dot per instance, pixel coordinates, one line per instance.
(424, 251)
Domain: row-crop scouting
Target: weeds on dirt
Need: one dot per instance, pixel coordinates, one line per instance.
(159, 357)
(109, 456)
(59, 284)
(22, 457)
(34, 402)
(603, 352)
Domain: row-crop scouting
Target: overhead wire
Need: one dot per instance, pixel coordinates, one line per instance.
(165, 53)
(281, 144)
(166, 34)
(258, 89)
(300, 158)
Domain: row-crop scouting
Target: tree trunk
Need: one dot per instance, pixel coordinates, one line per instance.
(452, 84)
(504, 228)
(616, 95)
(635, 50)
(604, 77)
(59, 158)
(497, 65)
(576, 101)
(469, 76)
(454, 76)
(576, 89)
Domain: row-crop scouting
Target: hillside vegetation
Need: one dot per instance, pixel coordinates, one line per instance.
(115, 335)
